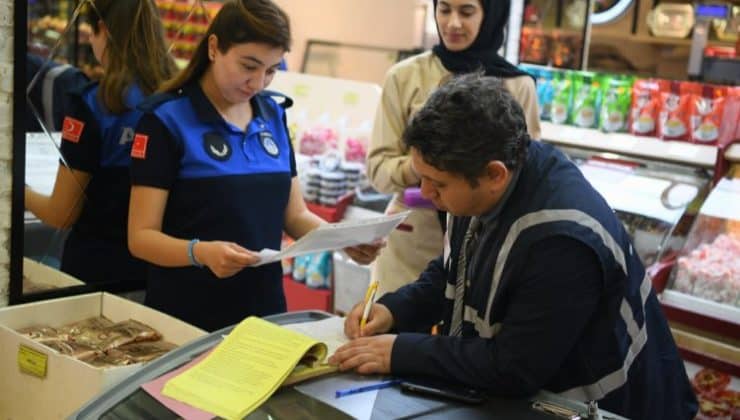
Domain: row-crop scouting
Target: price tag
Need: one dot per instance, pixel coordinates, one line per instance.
(31, 361)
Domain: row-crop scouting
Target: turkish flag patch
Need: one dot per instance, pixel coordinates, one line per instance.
(138, 149)
(72, 129)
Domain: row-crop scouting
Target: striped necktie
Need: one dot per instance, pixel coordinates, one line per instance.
(470, 243)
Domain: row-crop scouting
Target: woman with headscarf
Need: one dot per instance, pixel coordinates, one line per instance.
(471, 33)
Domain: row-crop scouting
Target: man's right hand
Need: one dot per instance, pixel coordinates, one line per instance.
(224, 259)
(379, 321)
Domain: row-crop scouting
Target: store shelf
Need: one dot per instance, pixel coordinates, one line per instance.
(654, 40)
(626, 144)
(733, 153)
(699, 312)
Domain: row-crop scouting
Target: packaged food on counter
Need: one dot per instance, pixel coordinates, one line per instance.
(100, 342)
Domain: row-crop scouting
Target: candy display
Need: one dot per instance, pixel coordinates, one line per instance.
(185, 22)
(711, 271)
(716, 400)
(317, 140)
(100, 342)
(647, 234)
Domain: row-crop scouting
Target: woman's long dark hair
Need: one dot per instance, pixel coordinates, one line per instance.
(136, 49)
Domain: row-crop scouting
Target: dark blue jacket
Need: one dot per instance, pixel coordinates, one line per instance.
(560, 302)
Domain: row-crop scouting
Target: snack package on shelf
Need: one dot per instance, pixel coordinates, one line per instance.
(675, 110)
(705, 114)
(562, 100)
(643, 118)
(729, 128)
(615, 105)
(586, 100)
(545, 93)
(318, 270)
(708, 266)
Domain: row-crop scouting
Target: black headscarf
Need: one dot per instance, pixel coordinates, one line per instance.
(483, 52)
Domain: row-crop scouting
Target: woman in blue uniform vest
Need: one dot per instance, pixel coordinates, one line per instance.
(92, 187)
(214, 177)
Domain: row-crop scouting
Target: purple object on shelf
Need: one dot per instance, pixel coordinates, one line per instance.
(412, 198)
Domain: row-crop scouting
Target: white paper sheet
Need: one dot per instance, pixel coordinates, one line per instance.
(42, 161)
(329, 331)
(334, 236)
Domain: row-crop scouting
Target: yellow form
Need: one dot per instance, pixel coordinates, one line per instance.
(244, 370)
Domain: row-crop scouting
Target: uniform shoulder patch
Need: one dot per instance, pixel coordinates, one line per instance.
(138, 149)
(72, 129)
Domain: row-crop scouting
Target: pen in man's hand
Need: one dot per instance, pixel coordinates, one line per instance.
(372, 288)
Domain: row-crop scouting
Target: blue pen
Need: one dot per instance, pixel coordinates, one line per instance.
(372, 387)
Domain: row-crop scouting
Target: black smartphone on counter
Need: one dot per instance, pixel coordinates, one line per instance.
(465, 395)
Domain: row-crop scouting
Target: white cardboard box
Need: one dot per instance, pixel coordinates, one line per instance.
(68, 383)
(43, 275)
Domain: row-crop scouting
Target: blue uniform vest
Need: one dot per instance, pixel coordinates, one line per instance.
(626, 357)
(231, 184)
(96, 248)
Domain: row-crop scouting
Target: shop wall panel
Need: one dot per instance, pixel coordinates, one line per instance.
(6, 63)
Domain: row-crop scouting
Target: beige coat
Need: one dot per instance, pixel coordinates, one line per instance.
(407, 86)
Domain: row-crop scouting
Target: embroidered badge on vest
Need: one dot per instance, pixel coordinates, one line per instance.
(127, 136)
(72, 129)
(138, 149)
(268, 143)
(216, 147)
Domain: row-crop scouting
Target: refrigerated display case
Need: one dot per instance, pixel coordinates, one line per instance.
(652, 204)
(647, 181)
(655, 202)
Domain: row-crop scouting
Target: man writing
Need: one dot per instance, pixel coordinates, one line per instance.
(539, 286)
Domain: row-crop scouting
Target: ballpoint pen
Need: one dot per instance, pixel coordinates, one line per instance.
(372, 288)
(372, 387)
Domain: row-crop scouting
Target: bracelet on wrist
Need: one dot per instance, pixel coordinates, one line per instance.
(191, 255)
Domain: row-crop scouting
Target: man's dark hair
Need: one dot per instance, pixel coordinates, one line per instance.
(466, 123)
